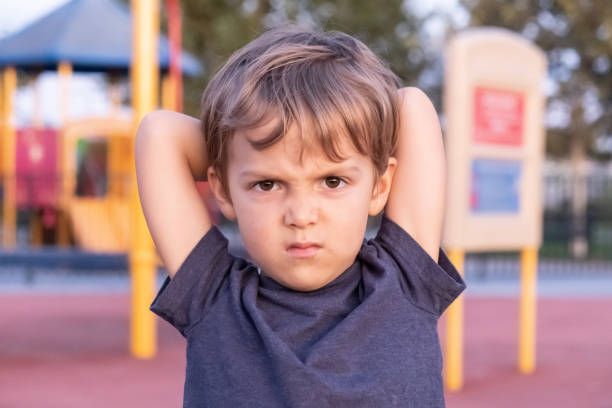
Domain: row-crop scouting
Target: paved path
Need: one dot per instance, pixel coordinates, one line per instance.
(504, 282)
(573, 354)
(71, 350)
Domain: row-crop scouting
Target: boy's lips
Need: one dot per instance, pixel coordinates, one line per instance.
(303, 249)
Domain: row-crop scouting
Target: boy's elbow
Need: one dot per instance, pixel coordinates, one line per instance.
(148, 140)
(152, 133)
(415, 101)
(150, 125)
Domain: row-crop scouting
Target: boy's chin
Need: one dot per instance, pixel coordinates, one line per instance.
(304, 283)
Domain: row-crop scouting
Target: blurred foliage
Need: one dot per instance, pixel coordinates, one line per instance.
(214, 29)
(577, 38)
(575, 34)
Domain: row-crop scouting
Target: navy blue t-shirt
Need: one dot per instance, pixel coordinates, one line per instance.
(366, 339)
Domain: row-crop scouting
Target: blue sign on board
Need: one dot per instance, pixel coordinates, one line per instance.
(495, 186)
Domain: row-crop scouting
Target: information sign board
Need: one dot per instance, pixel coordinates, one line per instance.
(495, 186)
(498, 116)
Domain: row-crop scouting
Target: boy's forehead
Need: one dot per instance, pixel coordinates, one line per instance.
(291, 146)
(259, 132)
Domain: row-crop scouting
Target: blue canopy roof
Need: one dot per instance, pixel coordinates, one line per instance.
(93, 35)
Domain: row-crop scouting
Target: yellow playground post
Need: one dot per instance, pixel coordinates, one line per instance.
(145, 80)
(9, 204)
(454, 323)
(527, 330)
(64, 70)
(169, 89)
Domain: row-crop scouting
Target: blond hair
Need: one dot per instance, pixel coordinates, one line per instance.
(329, 82)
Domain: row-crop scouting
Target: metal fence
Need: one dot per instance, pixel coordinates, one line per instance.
(560, 225)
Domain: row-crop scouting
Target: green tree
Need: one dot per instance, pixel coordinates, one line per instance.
(577, 38)
(213, 29)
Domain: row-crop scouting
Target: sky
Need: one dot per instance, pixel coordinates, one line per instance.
(88, 95)
(15, 14)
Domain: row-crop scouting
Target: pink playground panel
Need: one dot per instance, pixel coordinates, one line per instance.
(36, 165)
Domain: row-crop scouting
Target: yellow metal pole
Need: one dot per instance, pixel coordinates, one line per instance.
(1, 124)
(168, 93)
(527, 331)
(36, 233)
(9, 205)
(145, 78)
(453, 361)
(64, 70)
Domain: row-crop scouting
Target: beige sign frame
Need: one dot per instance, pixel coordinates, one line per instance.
(493, 58)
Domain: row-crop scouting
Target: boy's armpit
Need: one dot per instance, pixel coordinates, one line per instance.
(184, 299)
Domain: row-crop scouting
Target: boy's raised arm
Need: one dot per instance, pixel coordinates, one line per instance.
(170, 157)
(417, 198)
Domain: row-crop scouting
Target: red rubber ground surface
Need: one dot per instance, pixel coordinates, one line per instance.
(72, 351)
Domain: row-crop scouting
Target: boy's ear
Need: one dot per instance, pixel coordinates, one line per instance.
(223, 202)
(382, 188)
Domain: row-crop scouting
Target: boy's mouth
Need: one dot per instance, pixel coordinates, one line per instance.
(303, 249)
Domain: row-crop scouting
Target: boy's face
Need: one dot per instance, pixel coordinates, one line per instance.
(302, 222)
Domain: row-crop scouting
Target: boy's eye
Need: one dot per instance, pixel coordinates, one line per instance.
(266, 185)
(333, 182)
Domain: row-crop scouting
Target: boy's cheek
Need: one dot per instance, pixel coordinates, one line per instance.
(258, 225)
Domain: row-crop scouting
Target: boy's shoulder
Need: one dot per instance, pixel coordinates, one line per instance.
(431, 285)
(186, 297)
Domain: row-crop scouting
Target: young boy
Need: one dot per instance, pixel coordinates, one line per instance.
(303, 135)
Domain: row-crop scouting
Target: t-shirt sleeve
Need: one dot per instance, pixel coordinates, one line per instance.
(430, 285)
(183, 300)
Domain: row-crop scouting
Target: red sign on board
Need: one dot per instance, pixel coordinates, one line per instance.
(498, 116)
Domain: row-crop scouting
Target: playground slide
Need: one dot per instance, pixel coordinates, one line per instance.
(100, 225)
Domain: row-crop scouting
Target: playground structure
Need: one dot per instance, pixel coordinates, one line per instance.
(90, 36)
(85, 203)
(39, 164)
(99, 224)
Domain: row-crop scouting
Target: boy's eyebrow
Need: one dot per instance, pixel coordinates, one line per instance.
(269, 174)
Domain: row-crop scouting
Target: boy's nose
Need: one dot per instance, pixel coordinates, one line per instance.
(300, 211)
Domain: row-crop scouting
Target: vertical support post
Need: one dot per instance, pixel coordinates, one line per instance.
(527, 330)
(169, 93)
(2, 120)
(173, 9)
(38, 123)
(145, 80)
(9, 205)
(64, 70)
(453, 361)
(37, 112)
(114, 93)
